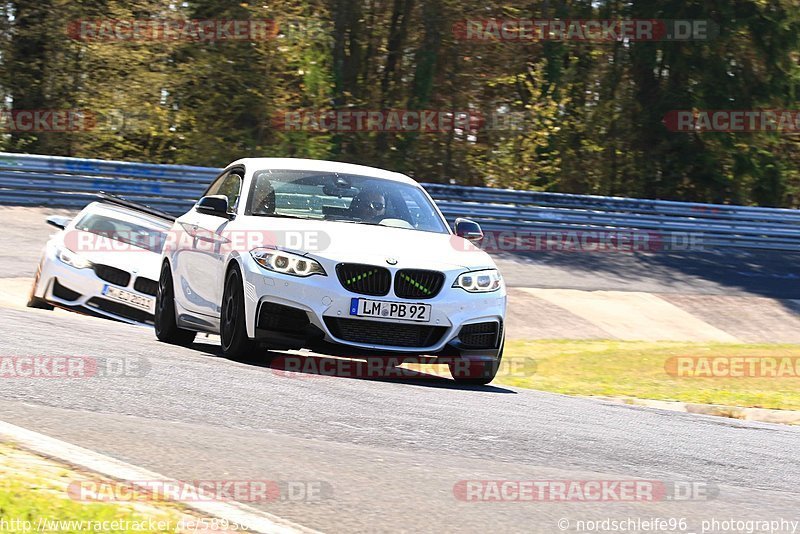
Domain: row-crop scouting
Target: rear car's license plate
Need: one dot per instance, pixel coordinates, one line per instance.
(127, 297)
(390, 310)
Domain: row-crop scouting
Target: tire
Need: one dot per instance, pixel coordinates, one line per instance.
(33, 300)
(476, 373)
(164, 321)
(232, 328)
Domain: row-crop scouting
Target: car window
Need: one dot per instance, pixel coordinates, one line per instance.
(230, 185)
(342, 197)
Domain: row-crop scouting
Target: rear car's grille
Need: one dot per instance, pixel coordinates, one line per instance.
(120, 309)
(364, 279)
(385, 333)
(146, 286)
(112, 275)
(282, 318)
(417, 284)
(481, 335)
(63, 292)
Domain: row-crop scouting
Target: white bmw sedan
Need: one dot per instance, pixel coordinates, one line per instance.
(104, 262)
(291, 253)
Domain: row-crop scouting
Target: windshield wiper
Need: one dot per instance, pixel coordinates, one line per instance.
(279, 216)
(351, 221)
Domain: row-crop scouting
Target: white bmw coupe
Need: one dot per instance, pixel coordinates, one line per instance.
(104, 262)
(295, 253)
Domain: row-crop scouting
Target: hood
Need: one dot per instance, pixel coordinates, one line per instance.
(363, 243)
(122, 256)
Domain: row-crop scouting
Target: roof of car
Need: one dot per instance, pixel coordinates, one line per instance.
(321, 165)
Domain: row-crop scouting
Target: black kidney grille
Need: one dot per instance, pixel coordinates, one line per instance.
(481, 335)
(385, 333)
(112, 274)
(418, 284)
(364, 279)
(146, 286)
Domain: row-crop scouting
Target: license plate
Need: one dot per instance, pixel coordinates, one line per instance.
(390, 310)
(127, 297)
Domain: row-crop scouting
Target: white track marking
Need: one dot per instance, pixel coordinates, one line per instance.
(255, 520)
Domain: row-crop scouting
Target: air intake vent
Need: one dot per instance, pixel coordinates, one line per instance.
(364, 279)
(385, 333)
(282, 318)
(63, 292)
(481, 335)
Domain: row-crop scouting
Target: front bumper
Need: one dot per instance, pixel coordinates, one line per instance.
(326, 305)
(81, 290)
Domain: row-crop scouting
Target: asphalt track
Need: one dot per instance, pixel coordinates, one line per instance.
(391, 451)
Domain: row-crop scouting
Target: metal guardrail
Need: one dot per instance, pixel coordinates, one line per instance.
(32, 180)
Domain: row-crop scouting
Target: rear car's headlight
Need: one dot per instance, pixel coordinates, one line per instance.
(73, 259)
(280, 261)
(483, 281)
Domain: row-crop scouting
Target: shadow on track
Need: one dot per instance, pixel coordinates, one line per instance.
(294, 366)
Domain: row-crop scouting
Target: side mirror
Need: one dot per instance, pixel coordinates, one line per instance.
(58, 221)
(216, 205)
(469, 230)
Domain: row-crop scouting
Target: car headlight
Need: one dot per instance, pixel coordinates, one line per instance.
(483, 281)
(280, 261)
(73, 259)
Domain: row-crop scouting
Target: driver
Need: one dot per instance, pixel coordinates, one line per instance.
(369, 205)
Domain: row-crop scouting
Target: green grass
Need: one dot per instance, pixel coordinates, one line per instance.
(30, 500)
(637, 369)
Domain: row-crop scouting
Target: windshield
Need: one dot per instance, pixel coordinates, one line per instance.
(146, 237)
(342, 197)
